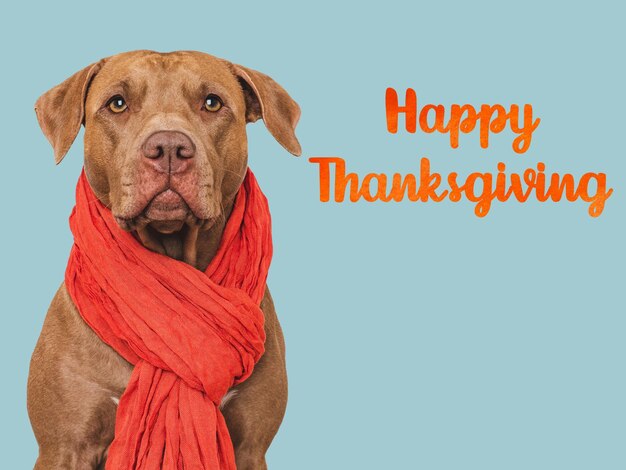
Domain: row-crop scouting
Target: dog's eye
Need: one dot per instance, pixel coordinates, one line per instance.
(213, 103)
(117, 104)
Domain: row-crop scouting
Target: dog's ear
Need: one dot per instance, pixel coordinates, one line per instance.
(267, 100)
(61, 110)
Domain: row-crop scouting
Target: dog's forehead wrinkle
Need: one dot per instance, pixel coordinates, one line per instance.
(167, 120)
(168, 77)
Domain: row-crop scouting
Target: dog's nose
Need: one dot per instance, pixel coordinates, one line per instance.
(169, 151)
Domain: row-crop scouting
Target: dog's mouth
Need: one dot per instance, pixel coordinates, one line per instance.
(167, 224)
(167, 212)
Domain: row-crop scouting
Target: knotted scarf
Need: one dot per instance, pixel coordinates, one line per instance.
(191, 335)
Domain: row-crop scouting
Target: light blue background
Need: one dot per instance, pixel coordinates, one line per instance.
(418, 335)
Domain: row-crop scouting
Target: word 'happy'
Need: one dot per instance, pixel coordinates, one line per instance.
(480, 188)
(490, 119)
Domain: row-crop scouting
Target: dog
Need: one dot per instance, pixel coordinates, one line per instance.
(166, 150)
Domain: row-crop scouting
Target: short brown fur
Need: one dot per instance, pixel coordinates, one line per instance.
(73, 374)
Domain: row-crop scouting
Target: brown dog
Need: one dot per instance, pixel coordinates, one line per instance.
(166, 150)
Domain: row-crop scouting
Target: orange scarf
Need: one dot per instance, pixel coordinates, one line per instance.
(190, 334)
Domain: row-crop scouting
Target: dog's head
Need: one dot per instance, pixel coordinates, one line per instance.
(165, 133)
